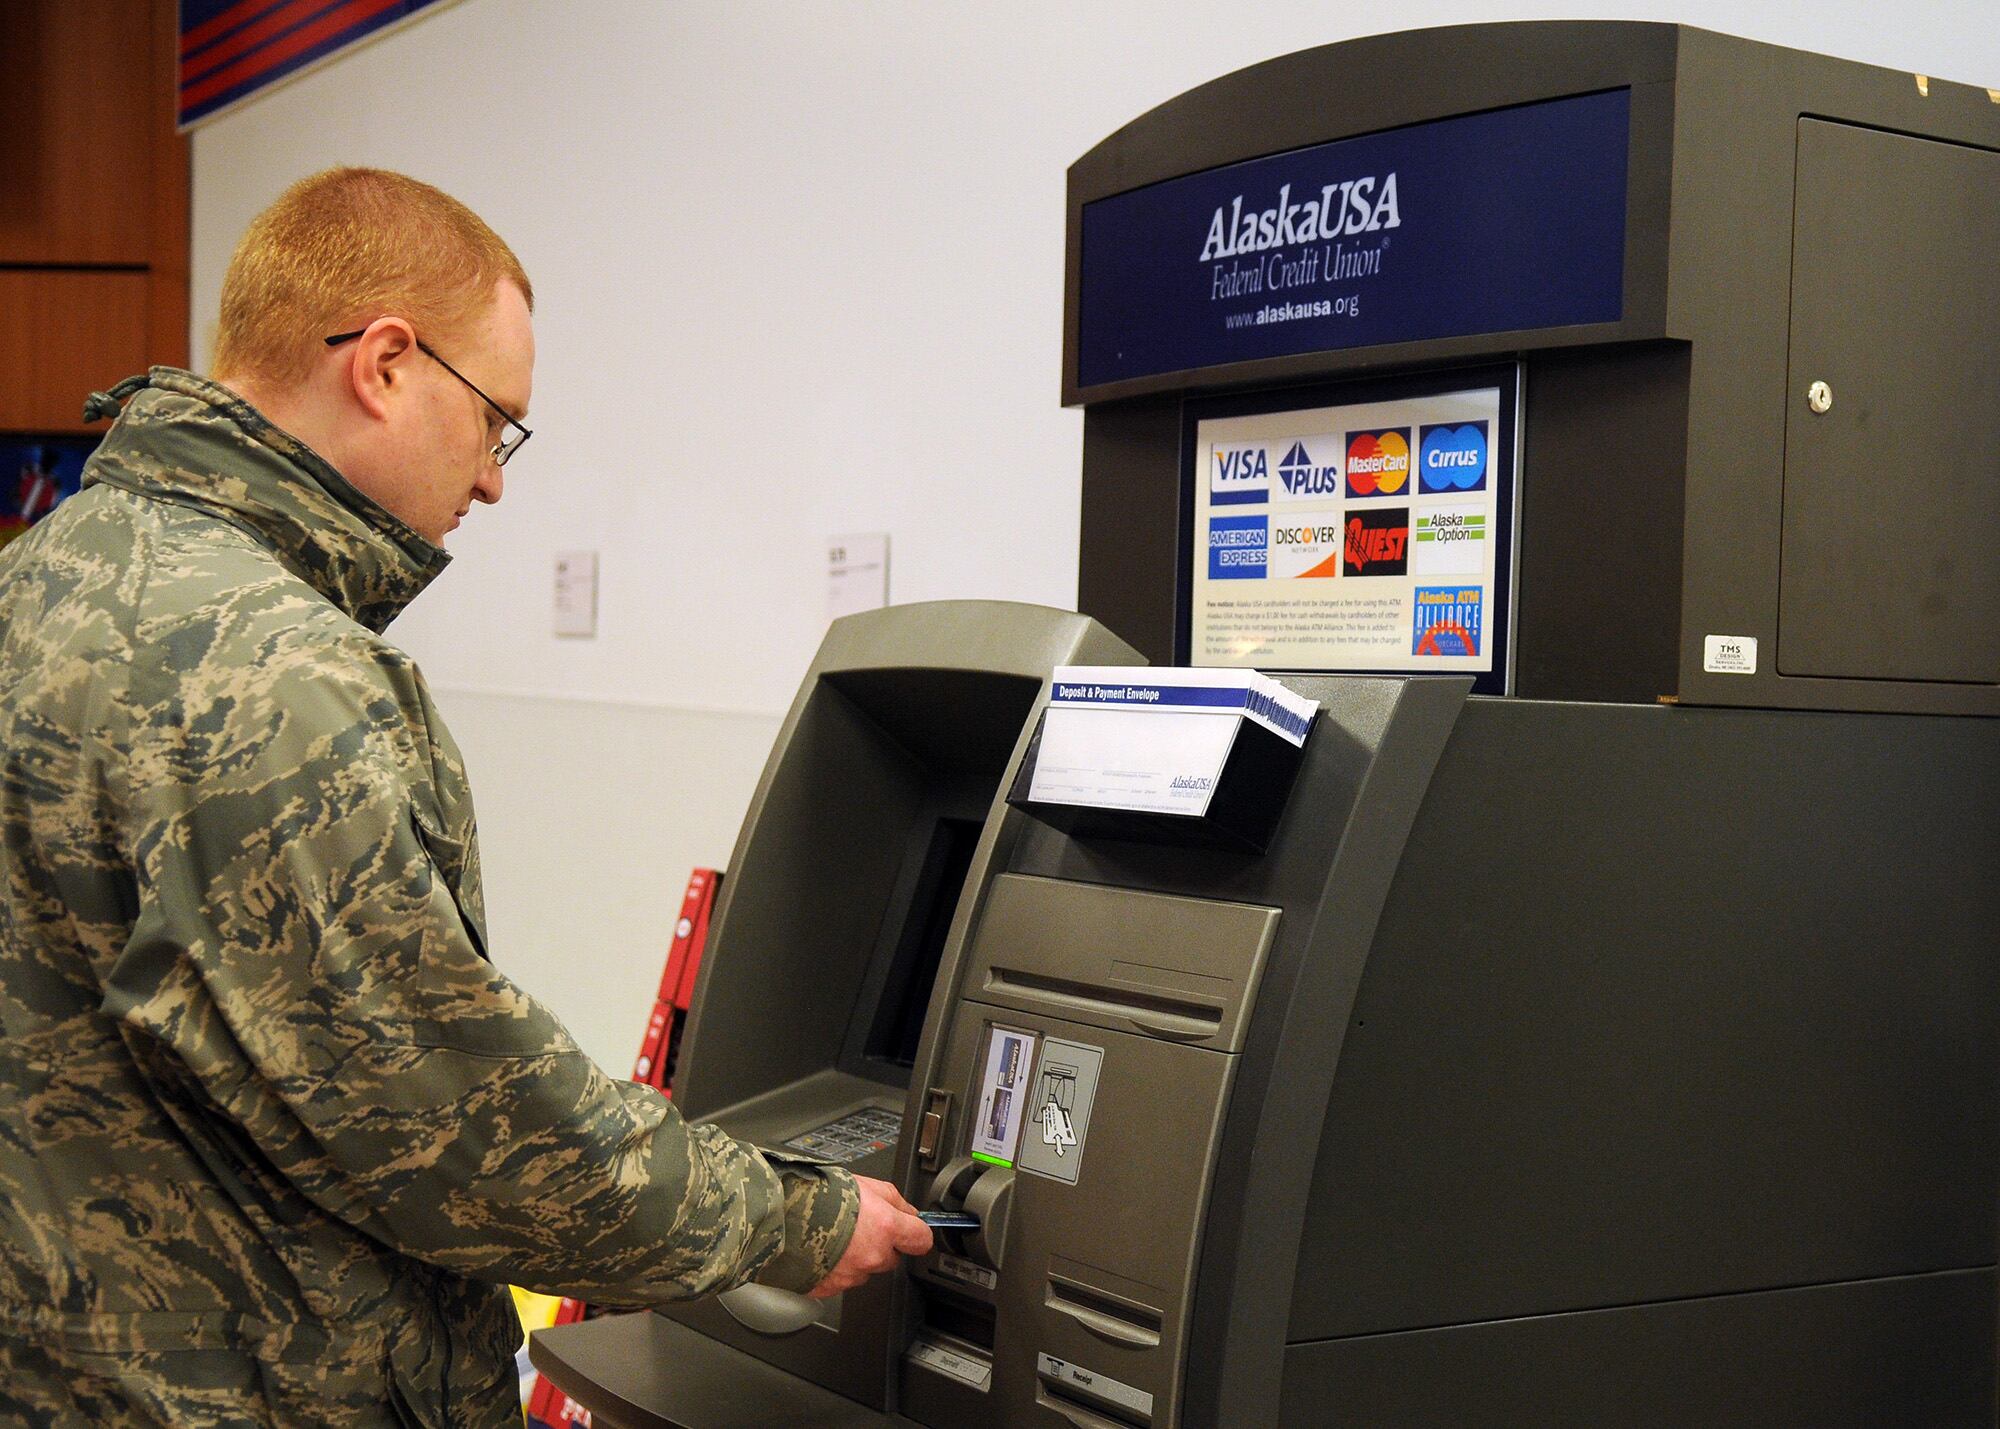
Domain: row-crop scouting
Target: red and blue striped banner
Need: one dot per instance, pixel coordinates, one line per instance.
(230, 49)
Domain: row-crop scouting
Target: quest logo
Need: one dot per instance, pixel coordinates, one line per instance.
(1238, 474)
(1454, 458)
(1378, 541)
(1237, 546)
(1378, 463)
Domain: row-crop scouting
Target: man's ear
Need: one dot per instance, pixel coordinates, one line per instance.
(380, 365)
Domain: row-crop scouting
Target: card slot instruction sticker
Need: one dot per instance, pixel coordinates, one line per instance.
(1059, 1103)
(1010, 1052)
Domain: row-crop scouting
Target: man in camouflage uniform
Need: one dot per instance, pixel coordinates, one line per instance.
(274, 1133)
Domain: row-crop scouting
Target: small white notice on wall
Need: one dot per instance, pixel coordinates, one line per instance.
(576, 593)
(1730, 655)
(857, 573)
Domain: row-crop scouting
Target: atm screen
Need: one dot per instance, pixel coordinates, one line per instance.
(898, 1021)
(1364, 527)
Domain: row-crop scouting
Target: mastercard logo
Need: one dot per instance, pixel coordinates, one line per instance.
(1378, 463)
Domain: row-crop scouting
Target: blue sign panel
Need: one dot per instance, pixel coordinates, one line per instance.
(230, 49)
(1485, 223)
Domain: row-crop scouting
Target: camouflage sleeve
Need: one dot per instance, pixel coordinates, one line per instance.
(303, 969)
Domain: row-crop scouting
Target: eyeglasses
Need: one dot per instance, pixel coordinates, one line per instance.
(501, 450)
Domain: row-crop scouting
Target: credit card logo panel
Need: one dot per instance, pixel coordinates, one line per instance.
(1309, 468)
(1449, 541)
(1307, 548)
(1378, 463)
(1378, 541)
(1449, 620)
(1454, 458)
(1239, 474)
(1237, 546)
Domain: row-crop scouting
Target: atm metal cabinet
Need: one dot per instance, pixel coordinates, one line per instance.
(1606, 1037)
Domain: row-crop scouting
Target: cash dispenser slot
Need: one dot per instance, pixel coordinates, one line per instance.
(1184, 969)
(1111, 1318)
(1160, 1016)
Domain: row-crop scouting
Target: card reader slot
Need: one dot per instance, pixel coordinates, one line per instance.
(1181, 1020)
(1111, 1318)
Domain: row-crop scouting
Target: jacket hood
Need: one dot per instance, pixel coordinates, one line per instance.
(188, 440)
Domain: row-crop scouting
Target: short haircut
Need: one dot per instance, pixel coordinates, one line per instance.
(347, 246)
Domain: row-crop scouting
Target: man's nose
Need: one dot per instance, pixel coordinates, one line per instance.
(487, 488)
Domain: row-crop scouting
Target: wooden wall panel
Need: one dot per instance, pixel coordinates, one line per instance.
(169, 196)
(77, 106)
(63, 335)
(93, 203)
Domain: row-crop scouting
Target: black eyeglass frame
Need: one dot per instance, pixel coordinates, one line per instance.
(503, 450)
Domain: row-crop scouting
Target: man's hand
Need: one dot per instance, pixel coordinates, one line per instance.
(888, 1226)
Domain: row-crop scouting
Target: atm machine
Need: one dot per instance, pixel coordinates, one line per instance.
(1595, 1018)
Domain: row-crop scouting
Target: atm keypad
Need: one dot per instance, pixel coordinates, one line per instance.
(852, 1137)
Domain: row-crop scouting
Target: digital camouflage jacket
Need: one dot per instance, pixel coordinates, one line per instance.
(273, 1131)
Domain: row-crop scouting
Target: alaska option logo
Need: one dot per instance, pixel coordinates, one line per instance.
(1450, 541)
(1448, 620)
(1378, 542)
(1378, 463)
(1237, 546)
(1238, 474)
(1301, 474)
(1454, 458)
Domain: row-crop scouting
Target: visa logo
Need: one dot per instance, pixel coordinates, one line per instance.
(1239, 474)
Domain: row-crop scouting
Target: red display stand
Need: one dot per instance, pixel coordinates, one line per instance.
(654, 1066)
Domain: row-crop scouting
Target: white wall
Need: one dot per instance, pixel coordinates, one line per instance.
(798, 271)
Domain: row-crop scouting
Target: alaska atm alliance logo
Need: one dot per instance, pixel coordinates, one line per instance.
(1448, 620)
(1238, 474)
(1378, 463)
(1454, 458)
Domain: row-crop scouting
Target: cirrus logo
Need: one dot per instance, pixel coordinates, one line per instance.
(1378, 463)
(1453, 457)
